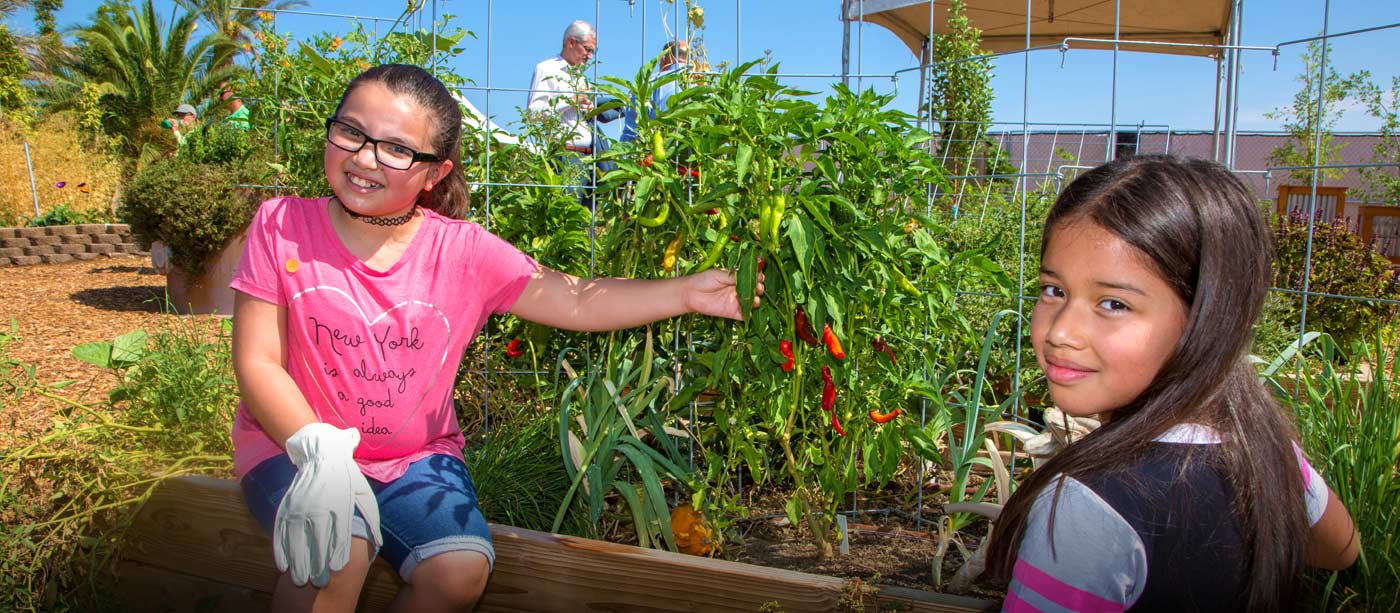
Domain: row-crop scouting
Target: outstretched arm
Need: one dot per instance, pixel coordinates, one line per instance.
(595, 305)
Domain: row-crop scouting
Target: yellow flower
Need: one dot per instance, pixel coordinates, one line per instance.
(265, 16)
(335, 44)
(697, 16)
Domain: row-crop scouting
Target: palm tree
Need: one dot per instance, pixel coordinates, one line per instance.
(235, 19)
(144, 69)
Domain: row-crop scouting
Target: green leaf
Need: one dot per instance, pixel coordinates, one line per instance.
(834, 309)
(129, 348)
(794, 510)
(748, 281)
(802, 247)
(644, 188)
(321, 65)
(741, 161)
(97, 353)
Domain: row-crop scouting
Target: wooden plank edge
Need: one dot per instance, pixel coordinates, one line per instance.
(198, 527)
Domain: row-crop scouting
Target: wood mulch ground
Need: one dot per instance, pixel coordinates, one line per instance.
(59, 306)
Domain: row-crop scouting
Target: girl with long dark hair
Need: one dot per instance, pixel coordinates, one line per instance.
(1193, 495)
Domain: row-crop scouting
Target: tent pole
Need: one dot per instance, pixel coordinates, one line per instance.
(1232, 105)
(1111, 139)
(1215, 129)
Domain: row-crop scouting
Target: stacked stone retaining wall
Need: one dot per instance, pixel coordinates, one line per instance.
(57, 244)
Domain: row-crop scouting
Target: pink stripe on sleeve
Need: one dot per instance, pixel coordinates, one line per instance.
(1303, 466)
(1061, 593)
(1014, 604)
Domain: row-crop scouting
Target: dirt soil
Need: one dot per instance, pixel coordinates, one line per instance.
(59, 306)
(884, 548)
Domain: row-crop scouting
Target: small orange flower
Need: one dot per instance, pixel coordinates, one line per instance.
(335, 44)
(265, 16)
(286, 64)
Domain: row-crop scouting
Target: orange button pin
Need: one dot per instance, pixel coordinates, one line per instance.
(292, 265)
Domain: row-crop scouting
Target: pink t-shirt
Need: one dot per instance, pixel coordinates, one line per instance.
(372, 350)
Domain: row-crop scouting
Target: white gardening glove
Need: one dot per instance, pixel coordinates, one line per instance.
(312, 535)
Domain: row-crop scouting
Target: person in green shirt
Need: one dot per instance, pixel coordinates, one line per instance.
(185, 117)
(238, 112)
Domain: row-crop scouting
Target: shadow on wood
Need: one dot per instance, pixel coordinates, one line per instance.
(194, 547)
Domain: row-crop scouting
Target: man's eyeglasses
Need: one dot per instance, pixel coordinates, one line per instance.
(391, 155)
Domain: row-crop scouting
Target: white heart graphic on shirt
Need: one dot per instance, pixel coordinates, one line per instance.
(371, 442)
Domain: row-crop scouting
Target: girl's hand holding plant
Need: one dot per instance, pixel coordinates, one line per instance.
(715, 292)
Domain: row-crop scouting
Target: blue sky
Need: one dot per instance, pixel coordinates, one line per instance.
(805, 38)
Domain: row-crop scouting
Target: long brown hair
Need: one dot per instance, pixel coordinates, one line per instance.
(449, 197)
(1200, 228)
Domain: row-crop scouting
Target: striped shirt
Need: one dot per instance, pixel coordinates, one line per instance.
(1158, 536)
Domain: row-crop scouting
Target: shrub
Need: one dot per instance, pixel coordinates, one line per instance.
(1341, 265)
(217, 143)
(63, 215)
(193, 208)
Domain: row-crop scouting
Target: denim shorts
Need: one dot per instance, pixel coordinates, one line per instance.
(429, 510)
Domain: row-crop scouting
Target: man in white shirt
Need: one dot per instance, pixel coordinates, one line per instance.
(554, 90)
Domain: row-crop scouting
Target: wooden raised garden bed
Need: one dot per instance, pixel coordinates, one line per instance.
(194, 547)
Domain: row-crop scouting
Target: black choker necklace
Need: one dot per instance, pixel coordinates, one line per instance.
(381, 221)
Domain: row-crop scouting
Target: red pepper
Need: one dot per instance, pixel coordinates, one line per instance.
(836, 423)
(881, 418)
(734, 238)
(513, 349)
(828, 390)
(712, 212)
(647, 160)
(880, 346)
(833, 344)
(785, 348)
(687, 171)
(804, 329)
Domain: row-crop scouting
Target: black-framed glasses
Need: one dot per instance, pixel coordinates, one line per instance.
(389, 154)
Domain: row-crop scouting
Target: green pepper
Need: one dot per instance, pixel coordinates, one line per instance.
(779, 210)
(904, 283)
(658, 147)
(713, 254)
(652, 222)
(765, 217)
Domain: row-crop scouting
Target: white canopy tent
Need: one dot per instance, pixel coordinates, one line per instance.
(1205, 28)
(1178, 23)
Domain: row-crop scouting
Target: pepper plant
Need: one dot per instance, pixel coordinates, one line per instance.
(824, 201)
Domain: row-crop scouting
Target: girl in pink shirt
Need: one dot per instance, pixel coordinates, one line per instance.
(351, 314)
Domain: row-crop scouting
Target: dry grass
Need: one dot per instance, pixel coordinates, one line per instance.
(59, 154)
